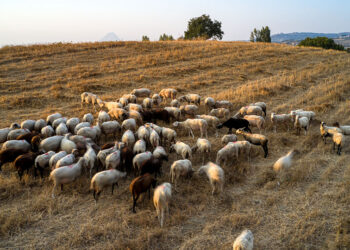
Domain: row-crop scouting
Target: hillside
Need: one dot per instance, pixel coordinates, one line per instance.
(308, 209)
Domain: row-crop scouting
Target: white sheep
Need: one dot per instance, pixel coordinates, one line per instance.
(244, 241)
(220, 113)
(66, 174)
(28, 124)
(151, 126)
(345, 129)
(227, 154)
(140, 159)
(129, 124)
(13, 134)
(131, 98)
(286, 119)
(244, 148)
(4, 133)
(142, 92)
(191, 110)
(191, 98)
(228, 138)
(128, 138)
(87, 97)
(327, 131)
(251, 110)
(67, 145)
(103, 116)
(161, 200)
(123, 101)
(39, 124)
(224, 104)
(255, 139)
(194, 124)
(139, 147)
(113, 160)
(110, 128)
(262, 105)
(203, 146)
(51, 118)
(209, 103)
(104, 179)
(156, 99)
(160, 153)
(135, 107)
(147, 103)
(88, 118)
(168, 94)
(212, 121)
(285, 162)
(102, 155)
(72, 123)
(90, 158)
(16, 144)
(174, 112)
(110, 105)
(338, 140)
(175, 103)
(81, 125)
(89, 132)
(180, 168)
(42, 161)
(58, 121)
(215, 175)
(303, 113)
(61, 129)
(143, 133)
(136, 116)
(67, 160)
(181, 149)
(52, 143)
(256, 121)
(301, 123)
(47, 131)
(55, 158)
(154, 138)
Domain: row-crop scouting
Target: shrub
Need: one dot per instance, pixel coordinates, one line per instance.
(323, 42)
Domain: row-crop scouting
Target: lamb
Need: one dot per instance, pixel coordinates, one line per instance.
(88, 118)
(175, 103)
(136, 116)
(42, 162)
(194, 124)
(68, 159)
(28, 124)
(39, 124)
(131, 98)
(285, 162)
(139, 147)
(345, 129)
(227, 153)
(215, 175)
(168, 135)
(181, 149)
(228, 138)
(301, 122)
(154, 138)
(224, 104)
(51, 118)
(286, 119)
(220, 113)
(52, 143)
(16, 144)
(129, 124)
(90, 158)
(159, 153)
(209, 103)
(25, 162)
(191, 98)
(174, 112)
(141, 185)
(67, 145)
(113, 160)
(72, 123)
(58, 121)
(147, 103)
(251, 110)
(142, 92)
(103, 116)
(168, 94)
(81, 125)
(128, 138)
(235, 123)
(13, 134)
(190, 110)
(61, 129)
(244, 241)
(156, 99)
(47, 131)
(255, 139)
(255, 121)
(161, 200)
(9, 155)
(327, 131)
(203, 146)
(104, 179)
(55, 158)
(212, 121)
(143, 133)
(338, 140)
(180, 168)
(66, 174)
(139, 160)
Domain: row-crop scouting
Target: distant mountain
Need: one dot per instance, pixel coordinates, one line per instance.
(110, 37)
(296, 37)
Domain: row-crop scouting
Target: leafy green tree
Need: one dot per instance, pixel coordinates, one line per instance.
(263, 35)
(166, 37)
(145, 39)
(320, 41)
(203, 27)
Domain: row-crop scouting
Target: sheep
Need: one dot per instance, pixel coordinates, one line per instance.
(255, 121)
(139, 147)
(255, 139)
(28, 137)
(174, 112)
(28, 124)
(157, 128)
(88, 118)
(68, 159)
(4, 133)
(228, 138)
(90, 158)
(302, 113)
(39, 124)
(128, 138)
(181, 149)
(244, 241)
(194, 124)
(286, 119)
(9, 155)
(215, 175)
(301, 122)
(89, 132)
(135, 107)
(161, 200)
(156, 100)
(175, 103)
(262, 105)
(51, 118)
(113, 160)
(16, 144)
(203, 146)
(220, 113)
(142, 92)
(129, 124)
(58, 121)
(141, 185)
(25, 162)
(327, 131)
(345, 129)
(110, 128)
(285, 162)
(42, 162)
(67, 145)
(190, 110)
(154, 138)
(51, 143)
(81, 125)
(110, 105)
(191, 98)
(136, 116)
(13, 134)
(14, 125)
(104, 179)
(160, 114)
(87, 97)
(103, 116)
(66, 174)
(126, 155)
(47, 131)
(168, 135)
(72, 123)
(131, 98)
(143, 133)
(227, 153)
(61, 129)
(250, 110)
(147, 103)
(180, 168)
(224, 104)
(159, 153)
(244, 147)
(55, 158)
(102, 155)
(212, 121)
(123, 101)
(140, 159)
(209, 103)
(168, 94)
(338, 140)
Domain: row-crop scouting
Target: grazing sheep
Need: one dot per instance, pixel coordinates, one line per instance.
(136, 116)
(81, 125)
(28, 124)
(103, 116)
(129, 124)
(209, 103)
(153, 165)
(224, 104)
(228, 138)
(244, 241)
(51, 118)
(28, 137)
(88, 118)
(104, 179)
(87, 97)
(142, 92)
(141, 185)
(175, 103)
(157, 128)
(102, 155)
(167, 135)
(9, 155)
(302, 113)
(110, 128)
(262, 105)
(251, 110)
(68, 159)
(42, 162)
(180, 168)
(61, 129)
(203, 146)
(66, 174)
(139, 160)
(255, 139)
(255, 121)
(235, 123)
(58, 121)
(345, 129)
(159, 153)
(301, 122)
(13, 134)
(194, 124)
(47, 131)
(212, 121)
(72, 123)
(227, 154)
(55, 158)
(131, 98)
(15, 144)
(89, 132)
(181, 149)
(110, 105)
(285, 162)
(4, 133)
(25, 162)
(215, 175)
(39, 124)
(161, 200)
(128, 138)
(123, 101)
(52, 143)
(156, 99)
(135, 107)
(67, 145)
(147, 103)
(139, 147)
(286, 119)
(190, 110)
(220, 113)
(143, 133)
(168, 94)
(154, 138)
(327, 131)
(191, 98)
(338, 140)
(113, 160)
(90, 158)
(174, 112)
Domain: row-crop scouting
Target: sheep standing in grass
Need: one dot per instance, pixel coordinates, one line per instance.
(174, 112)
(212, 121)
(39, 124)
(81, 125)
(13, 134)
(51, 118)
(28, 124)
(67, 145)
(262, 105)
(90, 158)
(255, 139)
(244, 241)
(129, 124)
(118, 114)
(181, 149)
(68, 159)
(88, 118)
(302, 113)
(227, 154)
(175, 103)
(194, 124)
(102, 155)
(58, 121)
(191, 98)
(147, 103)
(3, 134)
(327, 131)
(139, 160)
(103, 116)
(154, 138)
(301, 122)
(203, 146)
(104, 179)
(128, 138)
(209, 104)
(345, 129)
(168, 94)
(215, 175)
(251, 110)
(190, 110)
(42, 162)
(89, 132)
(142, 92)
(110, 128)
(72, 123)
(47, 131)
(156, 99)
(180, 168)
(255, 121)
(139, 147)
(167, 135)
(159, 153)
(61, 129)
(141, 185)
(244, 148)
(113, 160)
(55, 158)
(338, 140)
(224, 104)
(161, 200)
(286, 119)
(131, 98)
(17, 144)
(285, 162)
(143, 133)
(220, 113)
(228, 138)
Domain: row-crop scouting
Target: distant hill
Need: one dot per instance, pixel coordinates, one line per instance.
(110, 37)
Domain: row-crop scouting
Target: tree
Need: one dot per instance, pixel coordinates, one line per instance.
(166, 37)
(203, 27)
(320, 41)
(145, 39)
(263, 35)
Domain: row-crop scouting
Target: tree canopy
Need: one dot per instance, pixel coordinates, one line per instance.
(203, 27)
(145, 38)
(263, 35)
(166, 37)
(320, 41)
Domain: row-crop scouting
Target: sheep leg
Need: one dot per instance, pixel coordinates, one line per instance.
(162, 218)
(134, 202)
(191, 133)
(0, 166)
(265, 150)
(61, 187)
(339, 149)
(94, 194)
(112, 188)
(20, 173)
(53, 191)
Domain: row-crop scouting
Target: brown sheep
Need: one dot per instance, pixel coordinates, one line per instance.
(25, 162)
(141, 185)
(9, 155)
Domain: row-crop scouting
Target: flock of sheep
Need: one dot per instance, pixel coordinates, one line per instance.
(69, 147)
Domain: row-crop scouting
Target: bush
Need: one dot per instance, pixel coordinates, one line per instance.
(323, 42)
(166, 37)
(145, 39)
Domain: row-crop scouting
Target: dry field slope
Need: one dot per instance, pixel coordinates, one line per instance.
(310, 209)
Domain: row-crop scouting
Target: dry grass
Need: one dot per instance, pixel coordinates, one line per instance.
(308, 209)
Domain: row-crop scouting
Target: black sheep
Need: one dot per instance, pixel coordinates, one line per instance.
(235, 123)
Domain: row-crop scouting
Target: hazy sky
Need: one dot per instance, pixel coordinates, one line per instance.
(34, 21)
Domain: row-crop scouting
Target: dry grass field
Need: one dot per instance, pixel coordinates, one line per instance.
(308, 210)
